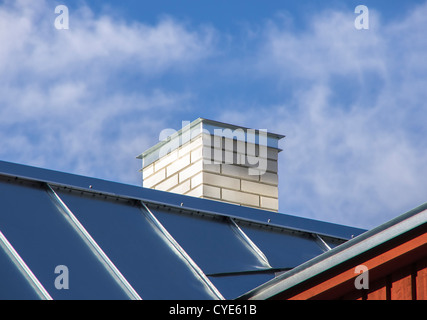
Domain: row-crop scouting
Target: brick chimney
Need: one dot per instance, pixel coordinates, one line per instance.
(218, 161)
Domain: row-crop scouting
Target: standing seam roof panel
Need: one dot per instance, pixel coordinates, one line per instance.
(139, 250)
(164, 245)
(44, 239)
(15, 283)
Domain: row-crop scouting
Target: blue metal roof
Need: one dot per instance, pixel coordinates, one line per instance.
(398, 227)
(121, 241)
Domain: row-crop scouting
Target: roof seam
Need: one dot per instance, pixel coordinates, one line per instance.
(182, 252)
(340, 254)
(238, 218)
(93, 245)
(129, 195)
(251, 244)
(23, 267)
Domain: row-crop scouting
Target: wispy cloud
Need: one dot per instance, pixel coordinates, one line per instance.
(352, 103)
(355, 151)
(68, 98)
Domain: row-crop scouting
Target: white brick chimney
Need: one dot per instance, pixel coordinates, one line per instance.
(218, 161)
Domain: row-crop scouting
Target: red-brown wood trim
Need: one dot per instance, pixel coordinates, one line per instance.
(392, 258)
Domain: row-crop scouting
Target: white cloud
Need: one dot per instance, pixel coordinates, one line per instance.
(64, 98)
(354, 118)
(355, 156)
(331, 45)
(28, 32)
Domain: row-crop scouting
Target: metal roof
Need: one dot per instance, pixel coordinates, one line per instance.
(363, 243)
(120, 241)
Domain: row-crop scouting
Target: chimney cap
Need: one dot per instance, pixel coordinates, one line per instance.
(219, 124)
(193, 129)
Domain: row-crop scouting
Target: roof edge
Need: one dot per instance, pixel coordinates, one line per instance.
(360, 244)
(183, 202)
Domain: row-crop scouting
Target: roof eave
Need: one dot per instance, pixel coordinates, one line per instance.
(352, 248)
(181, 202)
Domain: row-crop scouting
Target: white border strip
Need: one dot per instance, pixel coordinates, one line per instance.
(361, 244)
(22, 266)
(108, 264)
(251, 244)
(182, 252)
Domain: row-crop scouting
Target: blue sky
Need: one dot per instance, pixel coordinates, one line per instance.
(352, 103)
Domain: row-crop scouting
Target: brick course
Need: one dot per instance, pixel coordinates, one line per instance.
(189, 170)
